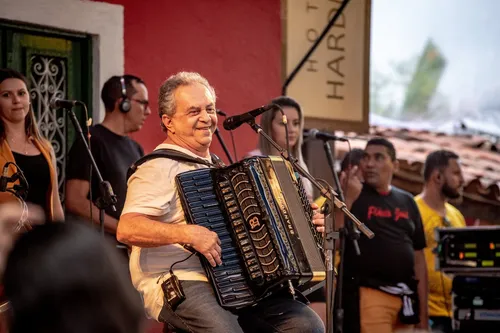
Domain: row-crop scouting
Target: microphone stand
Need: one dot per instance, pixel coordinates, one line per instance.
(107, 198)
(347, 231)
(330, 234)
(224, 147)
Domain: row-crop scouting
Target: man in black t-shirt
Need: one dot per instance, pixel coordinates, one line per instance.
(126, 102)
(386, 285)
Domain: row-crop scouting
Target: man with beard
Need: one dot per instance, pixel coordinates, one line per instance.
(443, 180)
(385, 287)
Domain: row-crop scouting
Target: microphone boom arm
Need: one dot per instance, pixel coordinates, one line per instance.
(328, 193)
(107, 197)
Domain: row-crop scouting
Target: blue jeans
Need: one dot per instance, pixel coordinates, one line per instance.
(201, 312)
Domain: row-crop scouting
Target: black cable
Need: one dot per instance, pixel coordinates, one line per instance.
(19, 191)
(23, 186)
(349, 156)
(14, 193)
(223, 114)
(448, 306)
(87, 125)
(317, 42)
(287, 138)
(332, 304)
(340, 271)
(234, 146)
(285, 123)
(437, 253)
(171, 269)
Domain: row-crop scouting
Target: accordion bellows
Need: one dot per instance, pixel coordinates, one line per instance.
(260, 211)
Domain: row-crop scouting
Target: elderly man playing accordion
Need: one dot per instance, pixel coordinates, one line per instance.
(153, 222)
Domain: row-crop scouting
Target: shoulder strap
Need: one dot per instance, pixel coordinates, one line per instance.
(217, 161)
(173, 155)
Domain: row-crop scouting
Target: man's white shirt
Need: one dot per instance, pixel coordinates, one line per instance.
(152, 191)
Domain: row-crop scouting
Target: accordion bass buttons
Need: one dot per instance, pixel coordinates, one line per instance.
(247, 250)
(225, 189)
(224, 184)
(238, 225)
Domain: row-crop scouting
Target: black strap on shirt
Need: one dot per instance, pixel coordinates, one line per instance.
(174, 155)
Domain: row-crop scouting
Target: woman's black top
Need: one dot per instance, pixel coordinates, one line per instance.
(37, 173)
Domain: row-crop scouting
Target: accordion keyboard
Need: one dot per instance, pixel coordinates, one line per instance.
(229, 278)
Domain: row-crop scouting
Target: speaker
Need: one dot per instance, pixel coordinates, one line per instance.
(125, 104)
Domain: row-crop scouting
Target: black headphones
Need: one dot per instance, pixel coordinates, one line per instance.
(125, 104)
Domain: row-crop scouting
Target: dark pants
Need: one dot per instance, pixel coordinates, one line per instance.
(441, 324)
(201, 312)
(350, 304)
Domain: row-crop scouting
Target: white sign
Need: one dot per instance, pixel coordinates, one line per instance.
(333, 84)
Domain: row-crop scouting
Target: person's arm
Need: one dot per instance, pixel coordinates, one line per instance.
(352, 186)
(423, 288)
(56, 199)
(140, 230)
(78, 185)
(10, 215)
(78, 204)
(151, 196)
(420, 265)
(439, 283)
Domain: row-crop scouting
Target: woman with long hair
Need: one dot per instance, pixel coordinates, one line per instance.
(272, 124)
(22, 144)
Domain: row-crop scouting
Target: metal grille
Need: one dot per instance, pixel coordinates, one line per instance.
(48, 80)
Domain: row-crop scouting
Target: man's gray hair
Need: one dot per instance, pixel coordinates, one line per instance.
(166, 100)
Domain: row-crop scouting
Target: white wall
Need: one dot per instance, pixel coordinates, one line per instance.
(102, 20)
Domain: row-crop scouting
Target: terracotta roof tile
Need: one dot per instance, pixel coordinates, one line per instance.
(479, 157)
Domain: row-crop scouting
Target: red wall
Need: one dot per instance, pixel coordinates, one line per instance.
(236, 45)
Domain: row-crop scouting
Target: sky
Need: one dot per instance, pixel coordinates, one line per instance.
(467, 33)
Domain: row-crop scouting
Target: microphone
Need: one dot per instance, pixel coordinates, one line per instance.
(234, 122)
(57, 103)
(20, 190)
(316, 134)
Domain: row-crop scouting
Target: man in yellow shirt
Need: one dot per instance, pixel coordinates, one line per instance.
(443, 180)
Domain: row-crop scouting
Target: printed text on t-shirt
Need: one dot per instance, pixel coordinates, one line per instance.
(387, 213)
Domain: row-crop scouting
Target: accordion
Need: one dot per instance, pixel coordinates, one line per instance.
(260, 211)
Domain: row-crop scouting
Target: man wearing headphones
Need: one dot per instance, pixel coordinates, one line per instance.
(127, 107)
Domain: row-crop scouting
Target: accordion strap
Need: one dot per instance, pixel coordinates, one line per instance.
(174, 155)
